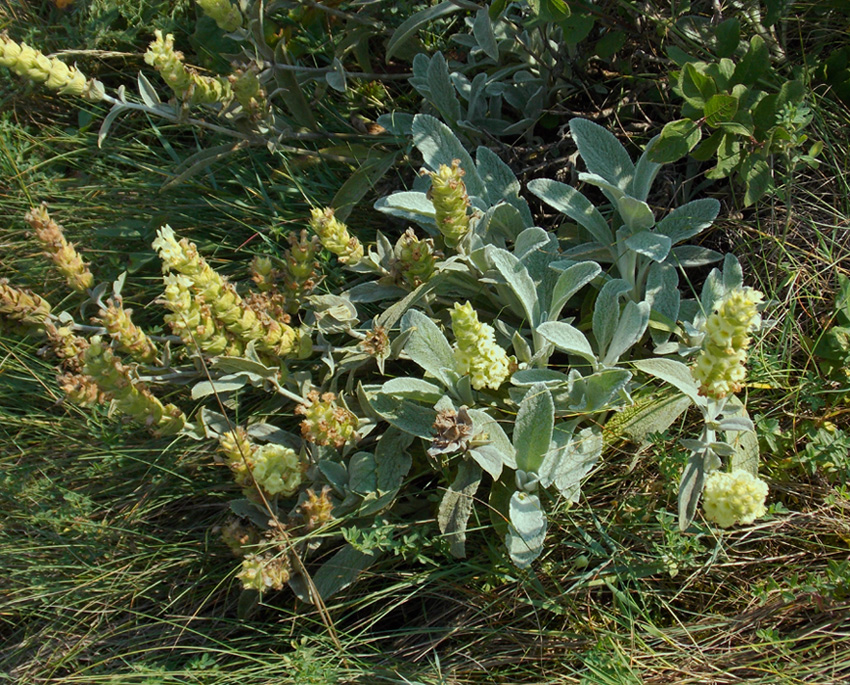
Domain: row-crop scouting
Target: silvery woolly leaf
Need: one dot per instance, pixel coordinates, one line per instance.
(427, 346)
(601, 389)
(662, 294)
(576, 206)
(412, 389)
(527, 529)
(675, 373)
(570, 281)
(456, 506)
(653, 245)
(485, 427)
(501, 183)
(689, 219)
(636, 214)
(525, 378)
(746, 443)
(733, 274)
(736, 423)
(568, 339)
(576, 460)
(686, 256)
(482, 29)
(392, 462)
(518, 279)
(442, 91)
(602, 153)
(533, 427)
(606, 311)
(408, 416)
(630, 329)
(645, 172)
(690, 489)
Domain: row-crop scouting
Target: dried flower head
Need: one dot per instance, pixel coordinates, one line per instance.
(22, 310)
(377, 342)
(452, 432)
(317, 509)
(240, 537)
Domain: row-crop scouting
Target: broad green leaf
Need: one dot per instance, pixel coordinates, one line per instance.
(576, 27)
(754, 63)
(341, 570)
(728, 34)
(525, 378)
(696, 88)
(533, 428)
(656, 246)
(439, 145)
(336, 77)
(733, 274)
(518, 280)
(675, 373)
(728, 157)
(427, 346)
(693, 255)
(456, 506)
(413, 23)
(412, 206)
(362, 474)
(720, 107)
(677, 139)
(630, 329)
(361, 182)
(576, 206)
(527, 529)
(602, 153)
(601, 389)
(570, 281)
(246, 509)
(757, 179)
(568, 339)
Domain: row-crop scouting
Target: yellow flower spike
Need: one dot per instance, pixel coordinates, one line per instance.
(191, 319)
(23, 309)
(185, 82)
(130, 397)
(225, 15)
(476, 351)
(130, 338)
(736, 497)
(67, 260)
(335, 237)
(235, 315)
(414, 260)
(35, 66)
(263, 273)
(719, 368)
(448, 193)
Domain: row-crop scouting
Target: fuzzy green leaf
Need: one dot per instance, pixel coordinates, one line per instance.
(568, 339)
(533, 428)
(456, 506)
(527, 529)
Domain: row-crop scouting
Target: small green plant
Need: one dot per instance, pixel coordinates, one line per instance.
(730, 115)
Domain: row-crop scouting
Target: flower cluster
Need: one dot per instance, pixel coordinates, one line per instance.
(226, 309)
(191, 319)
(248, 91)
(302, 270)
(127, 336)
(448, 193)
(720, 366)
(64, 256)
(730, 498)
(325, 422)
(186, 83)
(32, 64)
(476, 351)
(223, 13)
(414, 260)
(335, 237)
(66, 345)
(263, 572)
(275, 468)
(130, 397)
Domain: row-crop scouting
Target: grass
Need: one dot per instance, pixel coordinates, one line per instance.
(115, 572)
